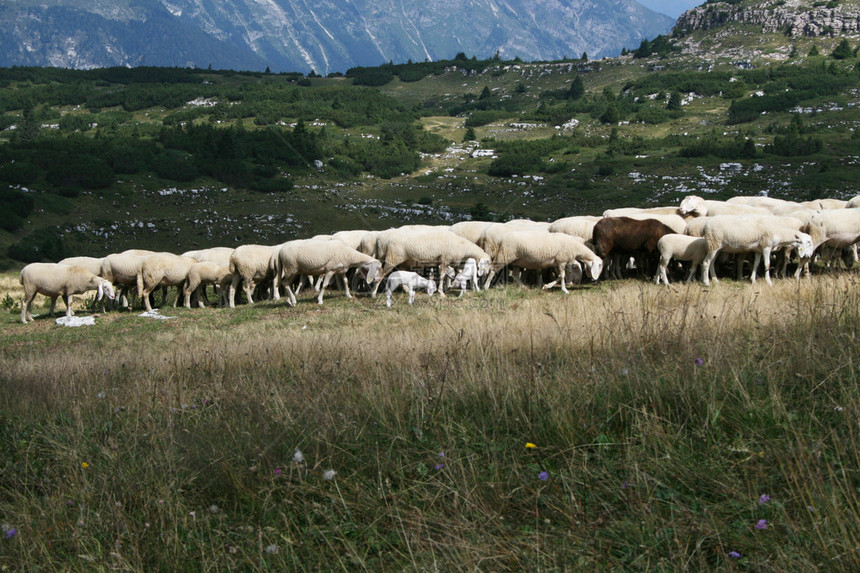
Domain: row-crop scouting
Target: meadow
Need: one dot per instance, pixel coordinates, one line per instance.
(622, 427)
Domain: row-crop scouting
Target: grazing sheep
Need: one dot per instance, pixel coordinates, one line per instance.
(249, 264)
(470, 230)
(745, 234)
(582, 226)
(217, 255)
(468, 273)
(404, 247)
(91, 264)
(695, 205)
(54, 280)
(536, 250)
(313, 257)
(121, 269)
(824, 204)
(203, 273)
(836, 229)
(162, 270)
(628, 236)
(409, 282)
(680, 248)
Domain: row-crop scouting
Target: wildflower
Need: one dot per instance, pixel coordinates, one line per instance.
(277, 471)
(329, 475)
(438, 467)
(441, 454)
(298, 457)
(214, 508)
(193, 514)
(764, 498)
(101, 395)
(698, 361)
(530, 445)
(762, 524)
(734, 555)
(543, 476)
(85, 465)
(9, 531)
(272, 549)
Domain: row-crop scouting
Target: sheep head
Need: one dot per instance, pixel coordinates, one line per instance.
(483, 266)
(690, 204)
(595, 267)
(804, 245)
(105, 288)
(431, 287)
(370, 271)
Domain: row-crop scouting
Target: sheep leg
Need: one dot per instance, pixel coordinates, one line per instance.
(341, 281)
(707, 268)
(411, 294)
(68, 300)
(25, 307)
(766, 256)
(386, 270)
(231, 294)
(325, 281)
(53, 304)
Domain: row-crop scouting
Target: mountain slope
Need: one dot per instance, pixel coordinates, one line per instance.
(325, 35)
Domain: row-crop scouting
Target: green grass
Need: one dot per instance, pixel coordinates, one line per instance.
(660, 415)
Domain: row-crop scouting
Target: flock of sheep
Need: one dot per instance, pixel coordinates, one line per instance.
(472, 252)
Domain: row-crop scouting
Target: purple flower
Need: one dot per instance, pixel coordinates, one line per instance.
(762, 524)
(277, 471)
(543, 476)
(10, 533)
(764, 498)
(441, 454)
(438, 467)
(698, 361)
(734, 555)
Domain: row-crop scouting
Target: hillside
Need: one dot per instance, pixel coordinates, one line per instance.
(98, 161)
(326, 36)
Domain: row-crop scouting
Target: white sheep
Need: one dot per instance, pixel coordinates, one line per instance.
(468, 273)
(121, 269)
(695, 205)
(162, 270)
(314, 257)
(91, 264)
(680, 248)
(470, 230)
(853, 203)
(409, 282)
(249, 264)
(836, 229)
(826, 203)
(206, 272)
(54, 280)
(536, 250)
(404, 247)
(745, 234)
(630, 211)
(761, 201)
(581, 226)
(217, 255)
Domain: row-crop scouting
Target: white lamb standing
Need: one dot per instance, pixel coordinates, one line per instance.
(314, 257)
(699, 207)
(54, 280)
(162, 270)
(468, 273)
(744, 234)
(206, 272)
(249, 264)
(536, 250)
(680, 248)
(442, 248)
(410, 282)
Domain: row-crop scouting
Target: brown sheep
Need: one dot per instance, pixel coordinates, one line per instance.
(628, 236)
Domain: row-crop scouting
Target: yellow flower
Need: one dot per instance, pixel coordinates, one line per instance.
(530, 445)
(85, 465)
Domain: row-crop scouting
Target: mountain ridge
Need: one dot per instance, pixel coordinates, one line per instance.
(328, 36)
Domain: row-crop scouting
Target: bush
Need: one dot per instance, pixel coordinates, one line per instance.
(42, 245)
(85, 171)
(515, 164)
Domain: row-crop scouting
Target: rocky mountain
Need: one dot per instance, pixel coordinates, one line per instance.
(794, 18)
(324, 36)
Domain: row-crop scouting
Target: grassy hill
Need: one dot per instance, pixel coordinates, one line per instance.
(98, 161)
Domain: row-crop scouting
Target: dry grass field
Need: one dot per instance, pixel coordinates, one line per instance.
(622, 427)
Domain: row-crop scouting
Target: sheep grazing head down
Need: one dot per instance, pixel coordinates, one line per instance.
(431, 287)
(595, 268)
(370, 271)
(105, 288)
(483, 266)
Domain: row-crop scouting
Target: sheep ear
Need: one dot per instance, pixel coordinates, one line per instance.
(101, 291)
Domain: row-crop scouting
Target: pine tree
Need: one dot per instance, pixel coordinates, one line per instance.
(470, 134)
(577, 88)
(485, 93)
(674, 102)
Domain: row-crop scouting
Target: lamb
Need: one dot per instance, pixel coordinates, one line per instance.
(409, 282)
(744, 234)
(695, 205)
(469, 273)
(313, 257)
(680, 248)
(203, 273)
(537, 250)
(54, 280)
(582, 226)
(249, 264)
(435, 247)
(162, 269)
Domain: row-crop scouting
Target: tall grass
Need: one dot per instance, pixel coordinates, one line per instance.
(659, 416)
